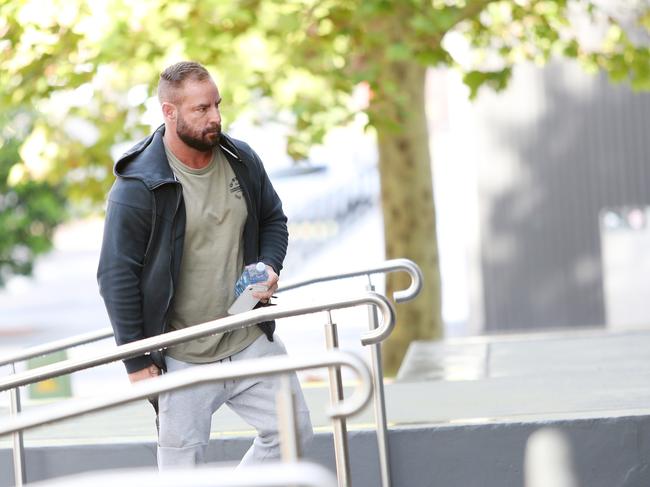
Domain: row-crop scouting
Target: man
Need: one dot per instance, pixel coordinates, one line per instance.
(189, 208)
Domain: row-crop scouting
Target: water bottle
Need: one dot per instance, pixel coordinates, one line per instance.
(252, 274)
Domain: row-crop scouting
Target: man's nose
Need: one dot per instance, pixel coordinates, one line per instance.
(215, 115)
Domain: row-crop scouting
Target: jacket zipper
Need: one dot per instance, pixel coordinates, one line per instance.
(153, 229)
(179, 197)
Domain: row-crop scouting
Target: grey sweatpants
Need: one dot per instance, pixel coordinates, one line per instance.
(185, 415)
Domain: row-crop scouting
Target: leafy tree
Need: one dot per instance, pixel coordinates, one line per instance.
(30, 209)
(100, 61)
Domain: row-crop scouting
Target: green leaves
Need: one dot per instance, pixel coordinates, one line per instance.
(496, 80)
(72, 63)
(29, 210)
(398, 51)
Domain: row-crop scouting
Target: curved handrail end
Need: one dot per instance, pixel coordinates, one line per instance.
(416, 280)
(388, 320)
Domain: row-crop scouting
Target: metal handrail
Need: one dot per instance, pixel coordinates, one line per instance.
(209, 373)
(56, 346)
(387, 266)
(336, 388)
(373, 337)
(262, 475)
(222, 325)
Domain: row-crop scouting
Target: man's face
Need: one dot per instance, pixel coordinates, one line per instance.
(198, 121)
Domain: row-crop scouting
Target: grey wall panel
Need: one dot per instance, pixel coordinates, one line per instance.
(557, 147)
(607, 452)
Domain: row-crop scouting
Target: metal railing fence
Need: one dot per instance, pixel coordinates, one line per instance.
(392, 265)
(160, 342)
(215, 373)
(200, 375)
(332, 340)
(331, 331)
(221, 325)
(56, 346)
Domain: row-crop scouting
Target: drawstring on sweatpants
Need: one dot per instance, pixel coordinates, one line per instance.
(224, 382)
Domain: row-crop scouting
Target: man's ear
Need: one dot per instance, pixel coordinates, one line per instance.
(169, 111)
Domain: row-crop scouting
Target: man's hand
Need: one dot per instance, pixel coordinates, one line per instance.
(271, 283)
(142, 374)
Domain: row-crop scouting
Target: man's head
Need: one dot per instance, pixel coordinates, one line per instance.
(190, 103)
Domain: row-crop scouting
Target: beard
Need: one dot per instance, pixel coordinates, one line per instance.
(201, 140)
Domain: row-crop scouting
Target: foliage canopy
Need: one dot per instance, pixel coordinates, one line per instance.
(85, 73)
(86, 69)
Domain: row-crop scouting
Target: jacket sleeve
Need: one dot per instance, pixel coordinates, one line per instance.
(126, 234)
(273, 232)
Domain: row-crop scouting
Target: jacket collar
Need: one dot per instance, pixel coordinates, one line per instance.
(147, 160)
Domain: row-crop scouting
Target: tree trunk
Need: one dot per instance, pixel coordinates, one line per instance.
(408, 206)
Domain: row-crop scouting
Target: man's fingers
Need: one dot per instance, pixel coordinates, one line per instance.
(263, 296)
(146, 373)
(268, 293)
(271, 284)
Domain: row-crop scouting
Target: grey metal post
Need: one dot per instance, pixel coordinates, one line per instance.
(286, 411)
(379, 400)
(20, 476)
(341, 451)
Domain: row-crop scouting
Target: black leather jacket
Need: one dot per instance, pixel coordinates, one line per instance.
(143, 237)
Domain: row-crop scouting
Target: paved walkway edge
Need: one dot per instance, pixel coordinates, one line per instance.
(607, 451)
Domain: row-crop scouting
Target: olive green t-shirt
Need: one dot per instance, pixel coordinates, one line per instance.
(212, 258)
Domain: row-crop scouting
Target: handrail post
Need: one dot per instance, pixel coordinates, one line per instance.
(341, 451)
(20, 475)
(379, 399)
(286, 411)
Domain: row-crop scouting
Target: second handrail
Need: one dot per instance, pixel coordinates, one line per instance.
(229, 323)
(56, 346)
(406, 265)
(387, 266)
(107, 332)
(208, 373)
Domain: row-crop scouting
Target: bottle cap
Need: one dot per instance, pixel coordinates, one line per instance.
(259, 267)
